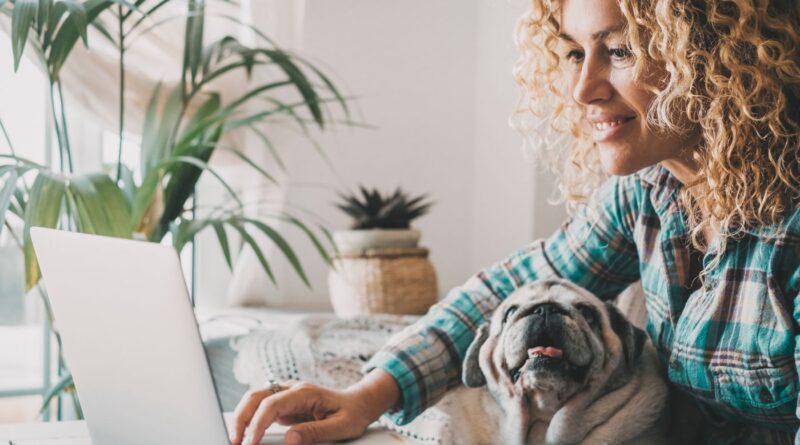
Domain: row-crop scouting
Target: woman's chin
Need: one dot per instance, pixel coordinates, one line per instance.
(620, 170)
(616, 164)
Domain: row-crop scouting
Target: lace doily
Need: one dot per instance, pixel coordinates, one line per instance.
(329, 351)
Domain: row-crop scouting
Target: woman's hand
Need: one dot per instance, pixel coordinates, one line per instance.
(316, 414)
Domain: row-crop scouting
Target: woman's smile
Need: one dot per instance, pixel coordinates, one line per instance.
(607, 127)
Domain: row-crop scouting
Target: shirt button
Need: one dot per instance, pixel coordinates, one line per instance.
(764, 395)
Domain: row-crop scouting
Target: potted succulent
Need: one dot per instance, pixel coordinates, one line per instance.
(380, 221)
(379, 267)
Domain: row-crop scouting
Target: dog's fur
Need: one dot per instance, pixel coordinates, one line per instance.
(605, 388)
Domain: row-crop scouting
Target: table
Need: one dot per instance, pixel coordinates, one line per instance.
(77, 433)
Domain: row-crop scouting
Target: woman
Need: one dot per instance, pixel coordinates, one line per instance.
(692, 107)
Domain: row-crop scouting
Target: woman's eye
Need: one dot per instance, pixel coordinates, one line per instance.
(621, 53)
(509, 312)
(575, 56)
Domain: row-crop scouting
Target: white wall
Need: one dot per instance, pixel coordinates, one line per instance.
(434, 77)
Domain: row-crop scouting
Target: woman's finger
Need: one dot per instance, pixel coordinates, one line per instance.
(291, 420)
(330, 429)
(244, 411)
(282, 404)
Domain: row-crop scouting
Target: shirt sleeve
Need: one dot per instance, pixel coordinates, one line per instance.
(794, 283)
(594, 249)
(797, 366)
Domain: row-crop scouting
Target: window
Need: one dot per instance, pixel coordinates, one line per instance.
(23, 337)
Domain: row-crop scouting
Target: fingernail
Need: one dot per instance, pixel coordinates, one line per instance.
(293, 438)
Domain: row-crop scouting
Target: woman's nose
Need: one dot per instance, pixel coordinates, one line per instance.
(592, 85)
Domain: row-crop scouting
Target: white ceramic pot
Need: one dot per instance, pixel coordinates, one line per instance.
(354, 240)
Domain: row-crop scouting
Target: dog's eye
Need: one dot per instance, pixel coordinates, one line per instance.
(588, 313)
(509, 312)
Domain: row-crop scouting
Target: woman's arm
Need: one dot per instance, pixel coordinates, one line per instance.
(316, 413)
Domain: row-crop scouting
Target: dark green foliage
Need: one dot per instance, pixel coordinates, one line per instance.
(372, 210)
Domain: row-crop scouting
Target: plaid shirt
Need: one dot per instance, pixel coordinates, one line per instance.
(728, 341)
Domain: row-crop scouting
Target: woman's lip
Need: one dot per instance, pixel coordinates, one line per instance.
(606, 130)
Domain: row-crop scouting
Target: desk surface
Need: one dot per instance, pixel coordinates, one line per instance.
(76, 433)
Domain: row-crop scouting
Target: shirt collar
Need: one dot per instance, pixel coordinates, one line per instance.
(664, 185)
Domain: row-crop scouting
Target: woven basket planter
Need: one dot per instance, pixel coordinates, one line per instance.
(383, 281)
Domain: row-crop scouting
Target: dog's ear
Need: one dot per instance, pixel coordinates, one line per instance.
(471, 373)
(632, 338)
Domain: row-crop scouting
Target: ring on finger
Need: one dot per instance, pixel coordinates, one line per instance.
(275, 387)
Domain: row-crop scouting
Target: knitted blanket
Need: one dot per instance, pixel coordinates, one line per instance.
(330, 351)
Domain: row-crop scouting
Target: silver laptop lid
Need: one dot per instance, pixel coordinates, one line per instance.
(130, 340)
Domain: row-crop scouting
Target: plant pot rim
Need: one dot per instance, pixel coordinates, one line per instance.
(378, 229)
(361, 239)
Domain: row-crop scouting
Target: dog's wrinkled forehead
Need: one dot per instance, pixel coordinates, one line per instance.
(558, 291)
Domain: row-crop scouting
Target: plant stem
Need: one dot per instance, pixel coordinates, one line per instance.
(13, 235)
(121, 92)
(65, 152)
(187, 96)
(8, 139)
(58, 127)
(64, 127)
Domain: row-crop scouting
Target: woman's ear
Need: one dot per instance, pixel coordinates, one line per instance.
(471, 373)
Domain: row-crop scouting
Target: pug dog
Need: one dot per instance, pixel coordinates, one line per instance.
(565, 368)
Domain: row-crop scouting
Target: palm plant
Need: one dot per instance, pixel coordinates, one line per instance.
(183, 127)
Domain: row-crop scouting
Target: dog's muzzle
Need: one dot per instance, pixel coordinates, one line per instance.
(546, 340)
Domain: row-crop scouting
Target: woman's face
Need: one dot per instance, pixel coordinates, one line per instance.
(600, 69)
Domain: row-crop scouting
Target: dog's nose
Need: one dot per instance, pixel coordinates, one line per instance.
(547, 309)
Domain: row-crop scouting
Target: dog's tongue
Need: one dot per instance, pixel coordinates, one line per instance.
(546, 351)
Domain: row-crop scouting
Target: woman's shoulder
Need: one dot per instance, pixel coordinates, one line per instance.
(786, 230)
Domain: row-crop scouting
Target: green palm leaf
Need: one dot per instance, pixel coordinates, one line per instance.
(314, 240)
(144, 213)
(193, 48)
(203, 166)
(69, 32)
(285, 248)
(205, 118)
(185, 230)
(74, 12)
(128, 183)
(6, 192)
(62, 384)
(43, 209)
(101, 206)
(222, 237)
(22, 19)
(248, 239)
(158, 128)
(255, 166)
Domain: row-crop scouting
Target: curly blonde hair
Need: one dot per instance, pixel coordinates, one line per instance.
(732, 71)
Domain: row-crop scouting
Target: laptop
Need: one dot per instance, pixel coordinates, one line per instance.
(131, 341)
